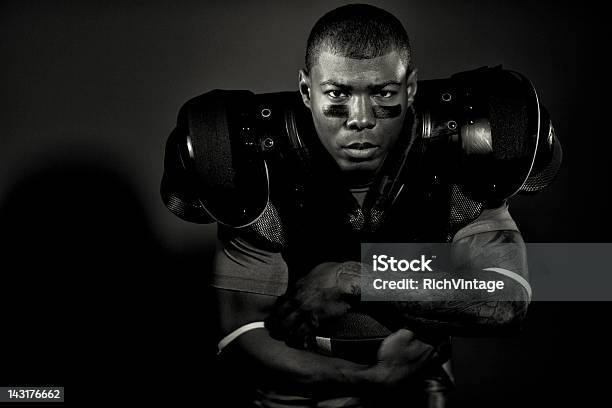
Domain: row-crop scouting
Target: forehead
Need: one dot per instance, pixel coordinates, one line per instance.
(358, 72)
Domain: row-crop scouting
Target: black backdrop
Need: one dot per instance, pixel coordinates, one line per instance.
(102, 286)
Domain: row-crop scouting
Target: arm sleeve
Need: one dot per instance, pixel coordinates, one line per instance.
(240, 266)
(492, 219)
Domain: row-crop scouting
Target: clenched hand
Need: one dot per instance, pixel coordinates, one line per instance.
(326, 292)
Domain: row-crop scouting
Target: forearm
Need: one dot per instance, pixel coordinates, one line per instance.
(301, 371)
(464, 318)
(456, 312)
(271, 362)
(467, 309)
(464, 311)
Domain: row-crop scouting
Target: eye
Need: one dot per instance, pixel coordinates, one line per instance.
(336, 94)
(386, 94)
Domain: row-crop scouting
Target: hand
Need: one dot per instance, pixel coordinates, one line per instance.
(401, 358)
(325, 293)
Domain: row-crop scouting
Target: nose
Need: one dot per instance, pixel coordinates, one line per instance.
(361, 115)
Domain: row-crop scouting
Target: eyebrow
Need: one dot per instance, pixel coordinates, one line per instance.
(345, 86)
(334, 83)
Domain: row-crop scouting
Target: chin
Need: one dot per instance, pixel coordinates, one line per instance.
(366, 166)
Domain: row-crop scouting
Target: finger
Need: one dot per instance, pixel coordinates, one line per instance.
(285, 305)
(423, 357)
(282, 327)
(280, 318)
(426, 352)
(333, 310)
(301, 331)
(405, 335)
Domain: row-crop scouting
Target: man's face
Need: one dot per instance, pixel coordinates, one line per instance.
(358, 106)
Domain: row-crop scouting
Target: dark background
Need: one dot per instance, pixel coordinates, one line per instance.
(102, 286)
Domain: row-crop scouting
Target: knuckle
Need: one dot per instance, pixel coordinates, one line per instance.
(407, 334)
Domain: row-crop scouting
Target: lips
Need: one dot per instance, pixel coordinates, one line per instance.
(360, 146)
(360, 150)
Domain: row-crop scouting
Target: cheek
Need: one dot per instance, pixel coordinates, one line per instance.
(387, 112)
(391, 129)
(326, 128)
(329, 119)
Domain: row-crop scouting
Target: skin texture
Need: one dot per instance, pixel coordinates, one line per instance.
(331, 289)
(470, 313)
(358, 101)
(266, 362)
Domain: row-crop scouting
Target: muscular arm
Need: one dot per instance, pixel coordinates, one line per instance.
(286, 369)
(328, 288)
(474, 312)
(275, 363)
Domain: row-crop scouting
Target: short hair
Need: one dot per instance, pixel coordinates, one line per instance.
(357, 31)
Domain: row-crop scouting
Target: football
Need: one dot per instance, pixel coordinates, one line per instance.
(356, 337)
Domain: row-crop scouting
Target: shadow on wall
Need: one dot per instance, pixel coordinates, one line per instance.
(87, 289)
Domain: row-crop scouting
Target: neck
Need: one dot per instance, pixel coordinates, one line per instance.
(356, 179)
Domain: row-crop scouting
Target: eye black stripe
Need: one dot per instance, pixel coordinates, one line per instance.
(384, 112)
(380, 112)
(336, 111)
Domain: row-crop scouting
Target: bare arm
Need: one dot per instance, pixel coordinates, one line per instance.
(292, 370)
(475, 312)
(321, 294)
(278, 364)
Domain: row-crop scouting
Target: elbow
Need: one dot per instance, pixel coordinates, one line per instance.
(510, 314)
(511, 317)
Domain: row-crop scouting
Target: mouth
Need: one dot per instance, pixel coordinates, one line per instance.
(360, 150)
(360, 146)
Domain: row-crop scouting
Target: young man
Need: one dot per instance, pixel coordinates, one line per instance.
(359, 86)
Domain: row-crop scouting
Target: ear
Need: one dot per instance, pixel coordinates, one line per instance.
(411, 86)
(304, 86)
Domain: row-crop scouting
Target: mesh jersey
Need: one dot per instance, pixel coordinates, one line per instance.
(240, 265)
